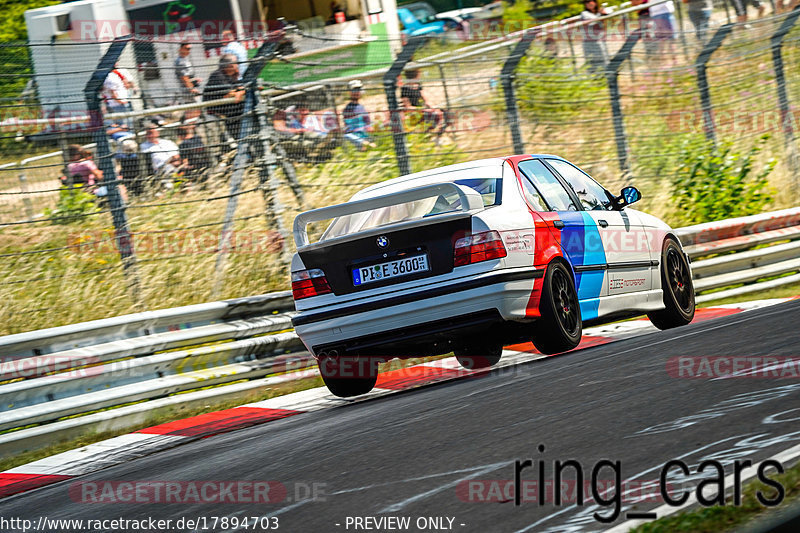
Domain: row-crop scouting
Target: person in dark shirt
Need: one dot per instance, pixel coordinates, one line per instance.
(192, 151)
(413, 100)
(130, 169)
(224, 83)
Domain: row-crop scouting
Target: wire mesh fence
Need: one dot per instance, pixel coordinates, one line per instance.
(212, 165)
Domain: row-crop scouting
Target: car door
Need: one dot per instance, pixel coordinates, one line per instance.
(624, 241)
(579, 238)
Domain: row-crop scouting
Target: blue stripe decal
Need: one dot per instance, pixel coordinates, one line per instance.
(591, 282)
(581, 243)
(589, 308)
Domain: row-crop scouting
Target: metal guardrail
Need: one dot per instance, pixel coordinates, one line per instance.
(62, 382)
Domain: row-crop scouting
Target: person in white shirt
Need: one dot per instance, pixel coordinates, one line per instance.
(164, 154)
(117, 89)
(594, 43)
(232, 46)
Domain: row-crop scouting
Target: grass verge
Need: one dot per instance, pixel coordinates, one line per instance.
(729, 516)
(172, 413)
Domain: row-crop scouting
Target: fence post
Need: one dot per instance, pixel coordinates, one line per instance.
(242, 158)
(702, 81)
(612, 78)
(783, 97)
(507, 77)
(396, 117)
(23, 187)
(106, 164)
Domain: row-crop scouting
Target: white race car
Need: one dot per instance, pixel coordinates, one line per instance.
(471, 257)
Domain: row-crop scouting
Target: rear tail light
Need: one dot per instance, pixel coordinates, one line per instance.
(479, 247)
(307, 283)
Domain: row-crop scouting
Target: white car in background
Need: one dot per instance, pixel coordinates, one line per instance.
(471, 257)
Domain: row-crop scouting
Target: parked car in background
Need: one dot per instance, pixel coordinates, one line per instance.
(413, 27)
(453, 19)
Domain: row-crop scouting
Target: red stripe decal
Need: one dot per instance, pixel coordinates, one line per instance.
(586, 342)
(219, 422)
(16, 483)
(707, 313)
(406, 378)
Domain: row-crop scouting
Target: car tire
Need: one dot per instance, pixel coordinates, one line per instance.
(348, 376)
(676, 282)
(560, 326)
(479, 355)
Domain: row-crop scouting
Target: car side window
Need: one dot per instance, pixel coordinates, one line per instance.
(547, 185)
(592, 195)
(532, 196)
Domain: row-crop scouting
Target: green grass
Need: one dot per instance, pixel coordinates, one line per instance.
(787, 291)
(728, 517)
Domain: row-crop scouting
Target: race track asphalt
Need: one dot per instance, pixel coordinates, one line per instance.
(427, 452)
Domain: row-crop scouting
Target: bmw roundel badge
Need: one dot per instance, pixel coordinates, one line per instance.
(382, 241)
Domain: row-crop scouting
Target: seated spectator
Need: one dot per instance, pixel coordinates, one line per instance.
(224, 83)
(192, 151)
(81, 168)
(357, 123)
(412, 98)
(307, 136)
(164, 154)
(118, 131)
(297, 120)
(129, 166)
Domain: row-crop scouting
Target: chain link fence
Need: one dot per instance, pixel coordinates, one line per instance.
(210, 166)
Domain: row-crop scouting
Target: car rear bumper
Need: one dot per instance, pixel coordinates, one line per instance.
(415, 318)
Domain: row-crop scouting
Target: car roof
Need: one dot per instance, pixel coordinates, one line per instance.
(458, 167)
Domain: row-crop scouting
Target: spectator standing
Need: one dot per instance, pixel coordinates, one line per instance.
(700, 15)
(647, 26)
(663, 16)
(184, 71)
(357, 123)
(164, 154)
(412, 98)
(117, 90)
(594, 45)
(740, 6)
(224, 83)
(232, 46)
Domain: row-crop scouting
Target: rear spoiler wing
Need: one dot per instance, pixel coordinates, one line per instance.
(470, 200)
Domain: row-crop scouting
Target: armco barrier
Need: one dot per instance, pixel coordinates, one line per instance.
(233, 345)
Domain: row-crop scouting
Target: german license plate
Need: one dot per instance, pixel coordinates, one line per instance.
(390, 269)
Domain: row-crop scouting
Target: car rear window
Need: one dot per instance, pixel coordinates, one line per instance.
(490, 190)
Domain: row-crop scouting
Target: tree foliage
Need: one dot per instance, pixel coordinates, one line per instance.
(15, 63)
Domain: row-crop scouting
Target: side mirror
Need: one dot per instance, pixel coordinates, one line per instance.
(629, 195)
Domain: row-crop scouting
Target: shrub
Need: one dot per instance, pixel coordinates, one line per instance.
(718, 183)
(73, 204)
